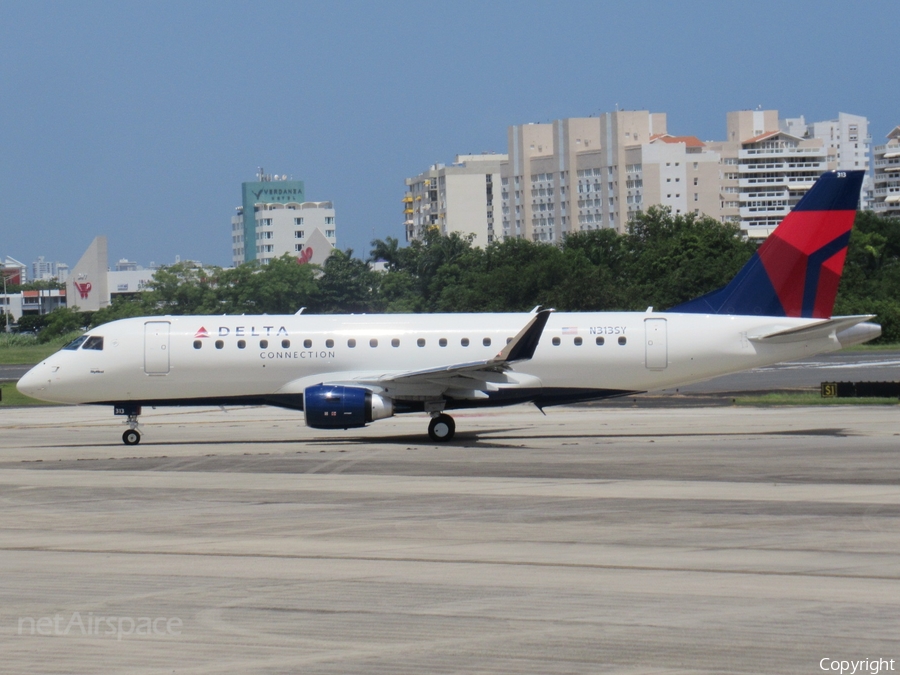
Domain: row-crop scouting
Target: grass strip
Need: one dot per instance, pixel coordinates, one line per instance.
(808, 398)
(11, 397)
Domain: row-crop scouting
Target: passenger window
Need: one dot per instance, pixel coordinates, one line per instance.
(219, 344)
(373, 342)
(556, 342)
(421, 342)
(464, 342)
(351, 343)
(285, 344)
(622, 340)
(241, 344)
(263, 344)
(307, 343)
(395, 342)
(442, 342)
(486, 342)
(94, 342)
(76, 343)
(197, 344)
(600, 341)
(329, 343)
(578, 342)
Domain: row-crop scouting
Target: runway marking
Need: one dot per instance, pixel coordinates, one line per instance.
(457, 561)
(827, 365)
(826, 493)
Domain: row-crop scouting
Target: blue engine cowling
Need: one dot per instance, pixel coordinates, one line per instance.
(338, 407)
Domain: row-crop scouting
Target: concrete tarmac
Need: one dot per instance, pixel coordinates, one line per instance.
(703, 540)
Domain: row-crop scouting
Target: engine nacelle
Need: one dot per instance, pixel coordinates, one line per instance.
(339, 407)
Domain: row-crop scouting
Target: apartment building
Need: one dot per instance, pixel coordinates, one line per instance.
(846, 139)
(886, 183)
(283, 222)
(587, 173)
(569, 175)
(766, 170)
(462, 197)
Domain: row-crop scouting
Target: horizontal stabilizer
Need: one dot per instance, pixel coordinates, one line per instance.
(813, 331)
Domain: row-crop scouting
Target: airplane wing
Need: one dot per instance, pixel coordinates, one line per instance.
(520, 348)
(461, 380)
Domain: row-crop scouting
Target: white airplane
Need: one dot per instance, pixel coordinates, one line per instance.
(345, 371)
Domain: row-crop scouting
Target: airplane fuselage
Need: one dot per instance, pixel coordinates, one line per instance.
(273, 359)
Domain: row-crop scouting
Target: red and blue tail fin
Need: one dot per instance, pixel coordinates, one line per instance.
(797, 269)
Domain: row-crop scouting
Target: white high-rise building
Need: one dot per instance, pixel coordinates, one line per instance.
(846, 139)
(45, 270)
(886, 197)
(283, 222)
(766, 169)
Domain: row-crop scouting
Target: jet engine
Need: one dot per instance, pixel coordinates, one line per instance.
(338, 407)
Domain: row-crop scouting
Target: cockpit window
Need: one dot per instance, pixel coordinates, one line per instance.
(76, 343)
(94, 342)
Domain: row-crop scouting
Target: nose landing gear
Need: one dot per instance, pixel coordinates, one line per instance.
(132, 436)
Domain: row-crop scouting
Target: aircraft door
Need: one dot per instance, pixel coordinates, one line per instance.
(156, 347)
(656, 348)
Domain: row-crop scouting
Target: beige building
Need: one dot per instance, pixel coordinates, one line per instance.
(588, 173)
(678, 172)
(886, 197)
(765, 170)
(462, 197)
(569, 175)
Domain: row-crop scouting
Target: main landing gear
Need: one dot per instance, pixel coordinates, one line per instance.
(441, 428)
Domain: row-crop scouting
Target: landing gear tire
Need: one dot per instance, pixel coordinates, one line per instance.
(441, 428)
(131, 437)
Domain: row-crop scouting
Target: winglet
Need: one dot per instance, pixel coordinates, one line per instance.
(521, 347)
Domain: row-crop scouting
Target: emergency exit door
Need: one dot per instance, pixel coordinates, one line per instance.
(156, 347)
(656, 351)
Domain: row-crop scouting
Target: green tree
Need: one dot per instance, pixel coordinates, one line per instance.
(871, 280)
(676, 258)
(347, 286)
(61, 321)
(183, 289)
(387, 250)
(280, 287)
(120, 308)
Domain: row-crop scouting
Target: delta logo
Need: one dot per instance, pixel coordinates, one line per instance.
(84, 290)
(202, 333)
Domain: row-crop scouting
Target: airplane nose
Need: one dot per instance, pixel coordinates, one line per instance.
(35, 382)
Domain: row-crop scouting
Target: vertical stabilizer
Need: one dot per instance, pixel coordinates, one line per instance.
(797, 269)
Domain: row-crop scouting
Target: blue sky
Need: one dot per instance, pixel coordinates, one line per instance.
(140, 120)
